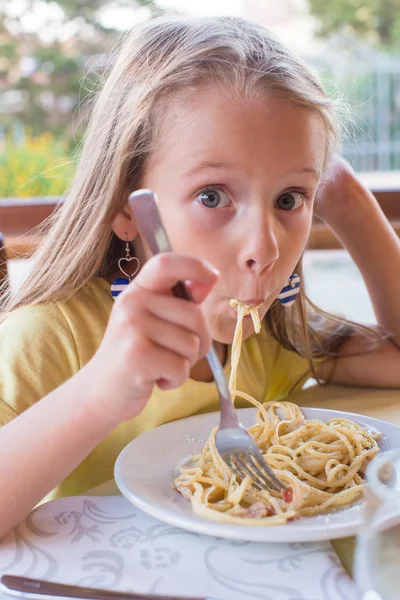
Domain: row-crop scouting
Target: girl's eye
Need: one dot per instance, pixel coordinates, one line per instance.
(290, 200)
(213, 198)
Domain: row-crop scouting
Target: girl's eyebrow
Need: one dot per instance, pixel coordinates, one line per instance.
(232, 165)
(311, 170)
(212, 165)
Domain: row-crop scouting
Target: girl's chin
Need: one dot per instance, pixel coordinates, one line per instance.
(225, 329)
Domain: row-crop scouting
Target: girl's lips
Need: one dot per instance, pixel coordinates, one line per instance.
(253, 302)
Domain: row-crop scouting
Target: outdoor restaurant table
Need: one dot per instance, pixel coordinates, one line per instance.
(373, 402)
(101, 540)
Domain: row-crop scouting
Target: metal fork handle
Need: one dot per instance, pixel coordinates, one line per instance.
(148, 221)
(228, 414)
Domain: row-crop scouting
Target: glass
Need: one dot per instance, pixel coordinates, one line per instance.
(377, 555)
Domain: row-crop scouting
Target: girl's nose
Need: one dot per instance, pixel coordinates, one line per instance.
(262, 249)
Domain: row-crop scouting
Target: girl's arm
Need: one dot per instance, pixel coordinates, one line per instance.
(356, 218)
(44, 444)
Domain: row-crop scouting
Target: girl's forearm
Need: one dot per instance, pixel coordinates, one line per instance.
(44, 444)
(363, 229)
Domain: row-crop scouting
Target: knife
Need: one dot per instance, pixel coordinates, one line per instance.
(38, 588)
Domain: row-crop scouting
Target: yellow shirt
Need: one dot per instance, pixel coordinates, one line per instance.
(44, 345)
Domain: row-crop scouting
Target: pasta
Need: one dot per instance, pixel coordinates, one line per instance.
(242, 311)
(322, 462)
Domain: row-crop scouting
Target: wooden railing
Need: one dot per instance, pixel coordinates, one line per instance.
(18, 216)
(386, 188)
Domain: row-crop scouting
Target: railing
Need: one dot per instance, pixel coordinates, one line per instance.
(18, 216)
(386, 188)
(374, 94)
(369, 81)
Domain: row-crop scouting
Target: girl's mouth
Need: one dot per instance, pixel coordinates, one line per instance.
(256, 302)
(251, 303)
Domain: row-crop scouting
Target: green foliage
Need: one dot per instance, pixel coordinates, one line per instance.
(375, 21)
(40, 166)
(50, 87)
(43, 88)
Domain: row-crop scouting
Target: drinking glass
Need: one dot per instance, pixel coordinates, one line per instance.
(377, 555)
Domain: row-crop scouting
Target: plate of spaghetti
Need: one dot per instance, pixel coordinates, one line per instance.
(152, 467)
(175, 474)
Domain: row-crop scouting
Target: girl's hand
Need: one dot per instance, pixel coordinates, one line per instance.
(333, 198)
(152, 337)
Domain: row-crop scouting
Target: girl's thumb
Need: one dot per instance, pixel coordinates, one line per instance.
(198, 290)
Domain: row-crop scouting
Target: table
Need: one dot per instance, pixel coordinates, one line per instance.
(378, 403)
(373, 402)
(106, 542)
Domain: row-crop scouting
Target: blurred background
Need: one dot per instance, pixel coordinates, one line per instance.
(53, 52)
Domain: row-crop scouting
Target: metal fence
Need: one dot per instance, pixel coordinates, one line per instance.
(369, 82)
(373, 140)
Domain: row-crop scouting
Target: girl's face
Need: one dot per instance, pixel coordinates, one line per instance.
(236, 183)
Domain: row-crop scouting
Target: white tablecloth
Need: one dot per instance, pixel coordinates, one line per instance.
(108, 543)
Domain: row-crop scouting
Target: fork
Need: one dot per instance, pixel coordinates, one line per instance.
(25, 587)
(234, 444)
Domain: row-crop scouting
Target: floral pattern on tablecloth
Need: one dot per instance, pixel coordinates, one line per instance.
(106, 542)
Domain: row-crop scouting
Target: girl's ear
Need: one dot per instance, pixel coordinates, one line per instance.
(124, 225)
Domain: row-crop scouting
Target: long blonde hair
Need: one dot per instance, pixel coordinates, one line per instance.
(157, 60)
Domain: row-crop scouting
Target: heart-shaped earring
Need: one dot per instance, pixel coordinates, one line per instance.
(128, 259)
(121, 283)
(289, 293)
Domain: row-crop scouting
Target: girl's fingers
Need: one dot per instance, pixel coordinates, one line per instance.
(172, 337)
(163, 271)
(166, 367)
(159, 336)
(179, 312)
(198, 290)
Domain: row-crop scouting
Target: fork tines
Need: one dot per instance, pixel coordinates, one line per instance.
(262, 475)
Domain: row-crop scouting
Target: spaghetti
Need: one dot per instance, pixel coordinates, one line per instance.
(322, 462)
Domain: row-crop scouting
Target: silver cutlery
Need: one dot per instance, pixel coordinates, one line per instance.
(233, 442)
(39, 588)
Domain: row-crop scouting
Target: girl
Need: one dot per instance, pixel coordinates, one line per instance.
(234, 134)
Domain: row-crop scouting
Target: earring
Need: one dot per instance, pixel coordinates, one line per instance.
(289, 293)
(119, 284)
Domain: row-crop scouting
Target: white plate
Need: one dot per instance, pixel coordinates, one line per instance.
(146, 468)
